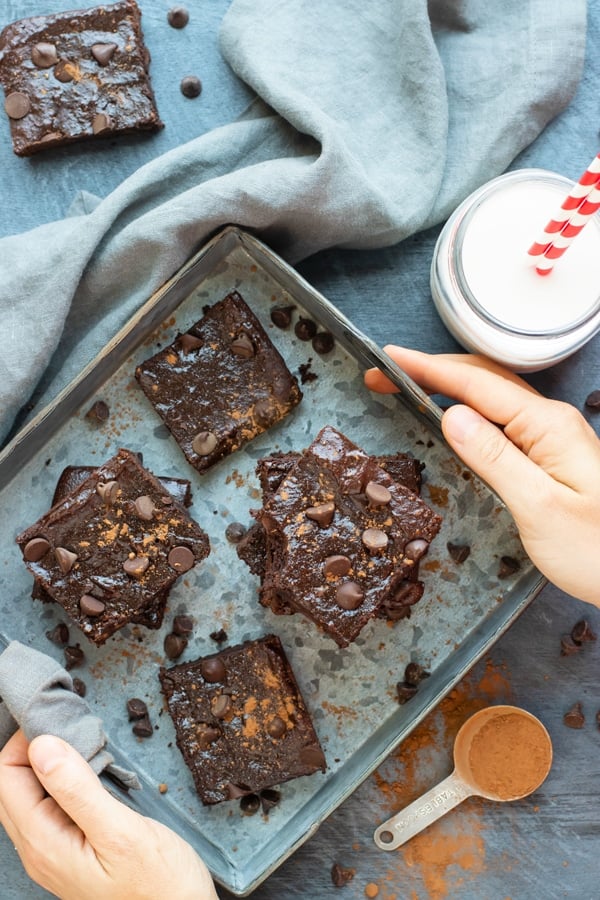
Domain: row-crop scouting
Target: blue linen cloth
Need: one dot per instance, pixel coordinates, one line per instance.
(371, 122)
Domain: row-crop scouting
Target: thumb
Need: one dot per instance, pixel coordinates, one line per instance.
(73, 784)
(485, 448)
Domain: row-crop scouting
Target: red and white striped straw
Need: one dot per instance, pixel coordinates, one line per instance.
(574, 214)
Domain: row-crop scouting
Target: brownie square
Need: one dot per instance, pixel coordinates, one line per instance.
(219, 385)
(252, 548)
(69, 480)
(342, 537)
(76, 76)
(240, 720)
(110, 551)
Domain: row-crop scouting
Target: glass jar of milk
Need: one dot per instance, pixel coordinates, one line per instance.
(485, 286)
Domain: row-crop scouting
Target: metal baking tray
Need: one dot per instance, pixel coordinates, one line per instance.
(350, 693)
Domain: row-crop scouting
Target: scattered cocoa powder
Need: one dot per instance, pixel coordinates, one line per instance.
(439, 859)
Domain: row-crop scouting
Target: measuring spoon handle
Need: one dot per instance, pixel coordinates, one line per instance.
(422, 812)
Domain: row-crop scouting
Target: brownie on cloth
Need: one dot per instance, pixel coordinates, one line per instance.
(76, 76)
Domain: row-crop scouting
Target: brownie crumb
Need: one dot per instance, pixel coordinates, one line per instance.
(306, 376)
(341, 876)
(219, 636)
(574, 717)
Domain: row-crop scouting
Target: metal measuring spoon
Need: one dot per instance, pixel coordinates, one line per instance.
(464, 781)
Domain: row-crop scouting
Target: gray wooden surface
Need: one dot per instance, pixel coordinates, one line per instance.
(543, 847)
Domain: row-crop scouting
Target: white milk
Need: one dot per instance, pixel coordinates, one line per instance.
(485, 286)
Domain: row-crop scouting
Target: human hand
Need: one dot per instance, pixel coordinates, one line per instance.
(541, 457)
(79, 842)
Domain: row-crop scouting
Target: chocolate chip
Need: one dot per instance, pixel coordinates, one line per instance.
(101, 123)
(204, 443)
(59, 635)
(263, 411)
(79, 687)
(213, 670)
(305, 329)
(178, 17)
(234, 532)
(574, 717)
(74, 656)
(17, 105)
(44, 55)
(568, 647)
(582, 632)
(183, 625)
(181, 559)
(64, 71)
(337, 565)
(136, 566)
(276, 727)
(508, 566)
(189, 342)
(136, 709)
(250, 804)
(349, 595)
(206, 735)
(143, 728)
(414, 674)
(219, 637)
(374, 540)
(312, 756)
(103, 53)
(281, 316)
(220, 706)
(174, 645)
(108, 491)
(341, 876)
(235, 791)
(323, 342)
(269, 799)
(377, 494)
(98, 411)
(242, 346)
(322, 514)
(416, 548)
(65, 559)
(190, 86)
(458, 552)
(91, 606)
(405, 692)
(592, 401)
(145, 508)
(35, 549)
